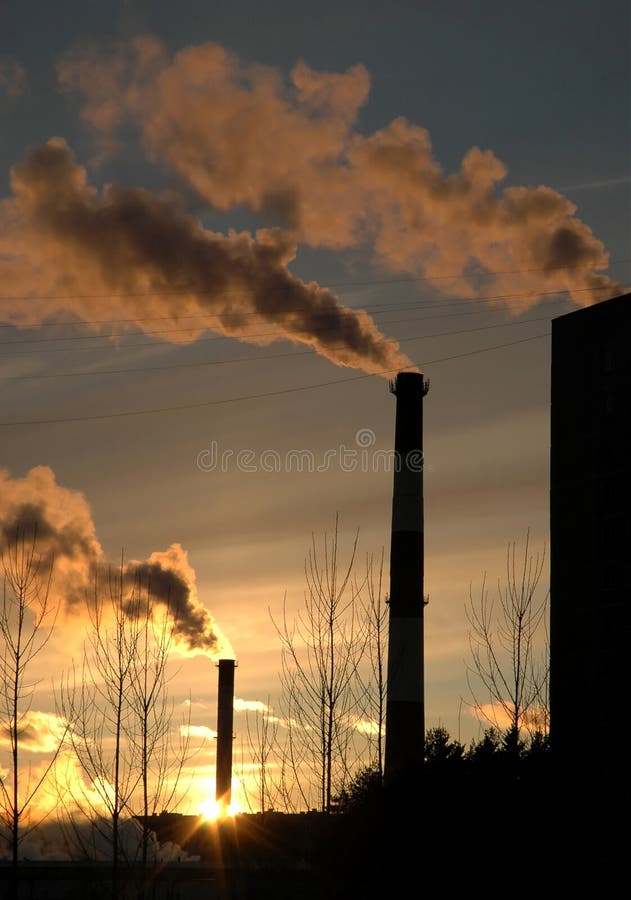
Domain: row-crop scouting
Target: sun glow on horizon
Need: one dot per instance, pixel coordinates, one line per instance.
(212, 809)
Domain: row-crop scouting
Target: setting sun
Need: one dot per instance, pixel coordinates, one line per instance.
(212, 809)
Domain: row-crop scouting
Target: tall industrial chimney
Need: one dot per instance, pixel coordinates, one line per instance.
(405, 715)
(225, 707)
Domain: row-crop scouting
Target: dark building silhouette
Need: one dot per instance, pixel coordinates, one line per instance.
(590, 557)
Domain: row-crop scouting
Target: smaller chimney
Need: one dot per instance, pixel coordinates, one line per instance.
(225, 707)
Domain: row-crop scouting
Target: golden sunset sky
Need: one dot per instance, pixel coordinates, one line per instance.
(221, 231)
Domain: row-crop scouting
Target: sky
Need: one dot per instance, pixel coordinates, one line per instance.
(223, 230)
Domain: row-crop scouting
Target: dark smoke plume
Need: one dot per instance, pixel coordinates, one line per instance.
(58, 522)
(240, 136)
(61, 237)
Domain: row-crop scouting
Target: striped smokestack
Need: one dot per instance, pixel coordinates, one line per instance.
(225, 707)
(405, 715)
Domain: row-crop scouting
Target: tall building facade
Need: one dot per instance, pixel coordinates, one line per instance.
(590, 554)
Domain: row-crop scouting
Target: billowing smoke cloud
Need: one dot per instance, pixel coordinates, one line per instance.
(36, 508)
(242, 138)
(61, 237)
(59, 520)
(170, 579)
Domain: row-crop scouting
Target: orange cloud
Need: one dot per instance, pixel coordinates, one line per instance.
(241, 705)
(198, 731)
(494, 714)
(38, 732)
(59, 519)
(241, 137)
(60, 237)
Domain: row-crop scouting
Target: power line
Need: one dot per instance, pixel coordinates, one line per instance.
(272, 335)
(375, 308)
(187, 289)
(378, 308)
(308, 387)
(93, 337)
(240, 359)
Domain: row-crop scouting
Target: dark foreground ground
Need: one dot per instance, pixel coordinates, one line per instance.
(518, 837)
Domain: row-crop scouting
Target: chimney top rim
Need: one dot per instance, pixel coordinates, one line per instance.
(410, 383)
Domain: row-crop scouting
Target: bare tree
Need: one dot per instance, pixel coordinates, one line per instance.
(129, 746)
(375, 614)
(123, 730)
(322, 649)
(96, 704)
(160, 755)
(27, 618)
(508, 672)
(262, 735)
